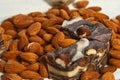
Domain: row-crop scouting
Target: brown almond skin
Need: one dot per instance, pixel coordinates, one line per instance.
(115, 62)
(95, 8)
(29, 56)
(13, 33)
(33, 67)
(37, 39)
(52, 30)
(34, 28)
(82, 4)
(13, 66)
(2, 65)
(64, 14)
(14, 45)
(115, 54)
(43, 70)
(108, 69)
(116, 44)
(49, 48)
(90, 75)
(11, 55)
(7, 25)
(118, 17)
(108, 76)
(22, 21)
(27, 74)
(9, 76)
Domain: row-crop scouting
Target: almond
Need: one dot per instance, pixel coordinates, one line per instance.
(23, 41)
(57, 38)
(75, 14)
(27, 74)
(116, 44)
(10, 55)
(40, 51)
(67, 42)
(90, 75)
(33, 47)
(48, 23)
(118, 17)
(14, 45)
(36, 14)
(47, 37)
(29, 56)
(115, 62)
(22, 21)
(101, 16)
(110, 24)
(13, 33)
(37, 39)
(108, 69)
(6, 37)
(10, 76)
(33, 67)
(115, 54)
(82, 4)
(34, 28)
(1, 30)
(13, 66)
(41, 32)
(64, 14)
(7, 25)
(115, 21)
(54, 11)
(52, 30)
(108, 76)
(95, 8)
(40, 19)
(43, 70)
(2, 65)
(49, 48)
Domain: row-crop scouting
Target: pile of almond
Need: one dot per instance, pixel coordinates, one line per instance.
(28, 37)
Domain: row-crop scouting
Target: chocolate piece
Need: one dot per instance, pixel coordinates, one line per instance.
(92, 49)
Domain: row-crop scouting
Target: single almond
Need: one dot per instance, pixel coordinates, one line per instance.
(116, 44)
(49, 48)
(108, 69)
(108, 76)
(82, 3)
(7, 25)
(64, 14)
(115, 54)
(47, 37)
(34, 28)
(43, 70)
(14, 45)
(52, 30)
(29, 56)
(33, 67)
(2, 65)
(67, 42)
(115, 62)
(27, 74)
(95, 8)
(13, 66)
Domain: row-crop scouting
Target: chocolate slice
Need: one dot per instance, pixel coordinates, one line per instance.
(69, 63)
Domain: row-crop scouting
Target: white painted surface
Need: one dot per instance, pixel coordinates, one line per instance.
(9, 8)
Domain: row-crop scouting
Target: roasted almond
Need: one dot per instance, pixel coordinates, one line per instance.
(90, 75)
(52, 30)
(118, 17)
(43, 70)
(116, 44)
(95, 8)
(115, 54)
(7, 25)
(110, 24)
(82, 3)
(33, 67)
(29, 56)
(67, 42)
(115, 62)
(22, 21)
(36, 39)
(108, 76)
(2, 65)
(13, 66)
(49, 48)
(34, 28)
(57, 38)
(9, 76)
(13, 33)
(64, 14)
(11, 55)
(108, 69)
(47, 37)
(27, 74)
(14, 45)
